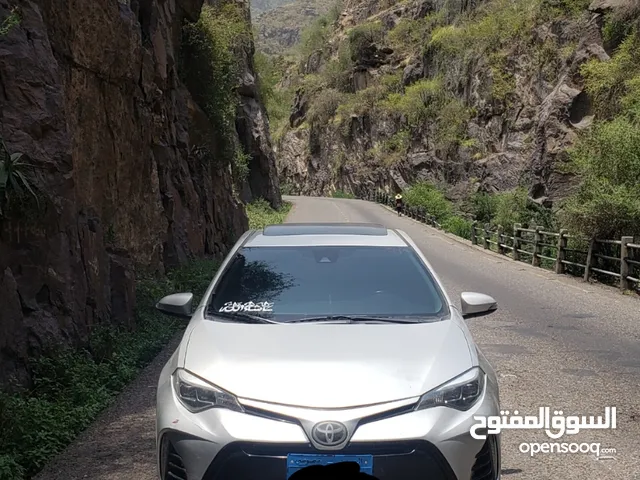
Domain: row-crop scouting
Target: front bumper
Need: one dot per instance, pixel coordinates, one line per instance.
(220, 444)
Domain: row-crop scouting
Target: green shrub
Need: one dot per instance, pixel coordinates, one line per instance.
(336, 73)
(607, 157)
(392, 82)
(430, 198)
(562, 8)
(13, 176)
(458, 226)
(14, 18)
(427, 104)
(492, 25)
(314, 37)
(393, 149)
(261, 214)
(607, 160)
(362, 37)
(511, 208)
(324, 106)
(483, 207)
(240, 165)
(342, 194)
(287, 189)
(608, 83)
(420, 102)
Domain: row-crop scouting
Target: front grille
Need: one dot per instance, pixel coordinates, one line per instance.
(410, 460)
(175, 469)
(485, 466)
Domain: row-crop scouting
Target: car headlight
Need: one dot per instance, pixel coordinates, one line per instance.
(197, 395)
(460, 393)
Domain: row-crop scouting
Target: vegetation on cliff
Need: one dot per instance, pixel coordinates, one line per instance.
(607, 157)
(210, 69)
(435, 82)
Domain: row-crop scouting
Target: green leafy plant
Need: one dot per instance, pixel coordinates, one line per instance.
(12, 176)
(261, 214)
(362, 37)
(8, 23)
(458, 226)
(426, 195)
(241, 165)
(342, 194)
(607, 160)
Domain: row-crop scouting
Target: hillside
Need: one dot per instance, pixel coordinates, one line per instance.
(279, 29)
(260, 6)
(530, 101)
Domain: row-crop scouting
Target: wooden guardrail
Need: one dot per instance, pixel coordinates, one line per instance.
(547, 249)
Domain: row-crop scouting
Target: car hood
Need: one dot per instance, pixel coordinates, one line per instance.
(327, 366)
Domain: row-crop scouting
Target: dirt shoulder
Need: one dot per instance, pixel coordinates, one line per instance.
(120, 444)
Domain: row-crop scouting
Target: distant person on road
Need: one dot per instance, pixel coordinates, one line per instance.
(399, 204)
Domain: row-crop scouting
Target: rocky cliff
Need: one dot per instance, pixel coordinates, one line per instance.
(470, 95)
(91, 97)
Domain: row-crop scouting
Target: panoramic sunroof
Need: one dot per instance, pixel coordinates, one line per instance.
(325, 229)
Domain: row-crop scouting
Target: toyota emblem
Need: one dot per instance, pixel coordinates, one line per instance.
(329, 434)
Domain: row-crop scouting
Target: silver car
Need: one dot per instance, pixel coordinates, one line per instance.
(324, 343)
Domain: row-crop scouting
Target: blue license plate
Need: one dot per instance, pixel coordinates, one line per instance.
(297, 461)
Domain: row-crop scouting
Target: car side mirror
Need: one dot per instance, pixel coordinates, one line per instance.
(177, 305)
(477, 304)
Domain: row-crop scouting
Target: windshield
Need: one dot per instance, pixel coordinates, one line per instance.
(291, 283)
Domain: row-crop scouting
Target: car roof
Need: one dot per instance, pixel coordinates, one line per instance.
(316, 233)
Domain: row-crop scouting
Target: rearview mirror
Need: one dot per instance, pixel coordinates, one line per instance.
(477, 304)
(177, 305)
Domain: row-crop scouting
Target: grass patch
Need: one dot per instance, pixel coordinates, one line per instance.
(71, 387)
(342, 194)
(261, 214)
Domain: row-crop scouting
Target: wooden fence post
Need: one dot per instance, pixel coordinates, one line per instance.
(500, 249)
(590, 259)
(561, 255)
(624, 266)
(474, 239)
(537, 239)
(486, 235)
(516, 241)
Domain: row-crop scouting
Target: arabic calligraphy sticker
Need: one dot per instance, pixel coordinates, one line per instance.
(249, 307)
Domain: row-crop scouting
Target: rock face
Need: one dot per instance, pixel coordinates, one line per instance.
(520, 142)
(252, 126)
(91, 97)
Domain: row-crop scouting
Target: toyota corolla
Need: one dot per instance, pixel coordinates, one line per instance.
(323, 343)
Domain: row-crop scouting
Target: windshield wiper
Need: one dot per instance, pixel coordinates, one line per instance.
(357, 319)
(242, 317)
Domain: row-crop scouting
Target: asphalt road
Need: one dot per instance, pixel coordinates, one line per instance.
(554, 342)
